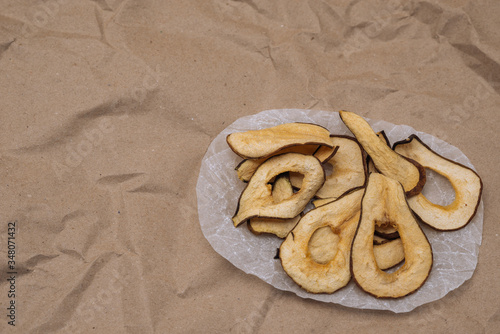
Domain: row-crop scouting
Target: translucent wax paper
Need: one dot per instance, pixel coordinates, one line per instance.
(218, 190)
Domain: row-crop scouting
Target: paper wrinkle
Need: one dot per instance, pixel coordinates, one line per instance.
(68, 305)
(218, 189)
(328, 21)
(119, 178)
(5, 46)
(488, 68)
(103, 4)
(427, 13)
(38, 259)
(461, 34)
(82, 121)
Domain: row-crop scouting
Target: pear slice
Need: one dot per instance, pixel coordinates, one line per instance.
(322, 201)
(256, 200)
(348, 169)
(378, 240)
(371, 166)
(255, 144)
(282, 189)
(466, 183)
(409, 173)
(327, 273)
(386, 231)
(389, 253)
(384, 201)
(247, 167)
(323, 246)
(325, 153)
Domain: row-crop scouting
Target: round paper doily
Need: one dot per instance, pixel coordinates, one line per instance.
(218, 189)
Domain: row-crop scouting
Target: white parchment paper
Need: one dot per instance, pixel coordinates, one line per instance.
(218, 190)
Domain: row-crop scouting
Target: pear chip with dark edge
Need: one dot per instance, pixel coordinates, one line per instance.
(384, 201)
(465, 181)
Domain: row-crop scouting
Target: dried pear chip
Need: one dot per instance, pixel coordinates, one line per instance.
(247, 167)
(384, 201)
(325, 153)
(255, 144)
(383, 137)
(282, 189)
(466, 183)
(323, 246)
(349, 168)
(329, 272)
(296, 180)
(322, 201)
(409, 173)
(256, 199)
(389, 253)
(386, 231)
(378, 240)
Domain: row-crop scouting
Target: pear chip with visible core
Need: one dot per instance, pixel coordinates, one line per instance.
(349, 168)
(384, 201)
(282, 189)
(341, 216)
(247, 167)
(256, 200)
(466, 183)
(389, 253)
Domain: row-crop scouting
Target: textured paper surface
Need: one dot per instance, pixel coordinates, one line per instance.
(107, 108)
(218, 189)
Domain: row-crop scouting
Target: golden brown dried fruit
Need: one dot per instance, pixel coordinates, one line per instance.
(466, 183)
(386, 231)
(323, 246)
(282, 189)
(349, 168)
(409, 173)
(378, 240)
(256, 199)
(389, 254)
(325, 153)
(384, 201)
(255, 144)
(330, 273)
(371, 166)
(322, 201)
(247, 167)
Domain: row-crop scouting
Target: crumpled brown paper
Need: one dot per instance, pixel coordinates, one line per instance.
(109, 237)
(218, 189)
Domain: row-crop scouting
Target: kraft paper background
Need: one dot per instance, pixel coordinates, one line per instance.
(109, 106)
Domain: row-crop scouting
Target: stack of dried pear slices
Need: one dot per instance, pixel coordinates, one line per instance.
(366, 211)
